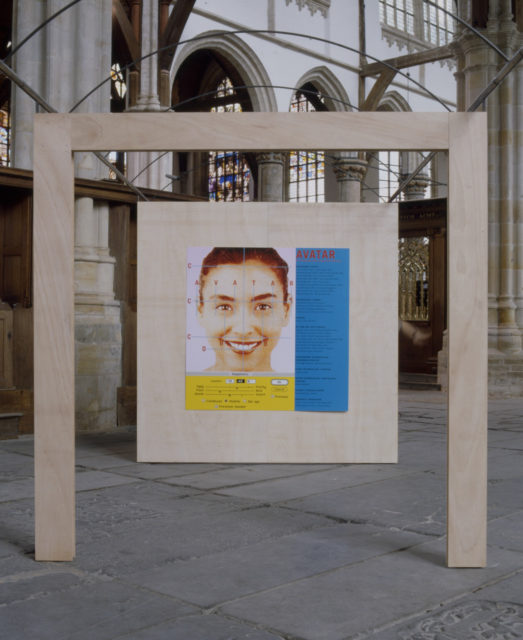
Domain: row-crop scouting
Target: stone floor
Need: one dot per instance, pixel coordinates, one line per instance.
(265, 552)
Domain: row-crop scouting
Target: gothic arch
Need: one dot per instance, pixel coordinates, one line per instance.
(240, 56)
(393, 101)
(327, 83)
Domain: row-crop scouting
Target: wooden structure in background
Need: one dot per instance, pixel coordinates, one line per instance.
(422, 230)
(16, 305)
(57, 136)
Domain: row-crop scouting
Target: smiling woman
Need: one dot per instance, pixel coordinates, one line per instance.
(244, 303)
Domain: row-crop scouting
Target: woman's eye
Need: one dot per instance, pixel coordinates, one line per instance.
(224, 307)
(262, 306)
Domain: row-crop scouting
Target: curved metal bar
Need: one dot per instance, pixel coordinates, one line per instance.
(265, 31)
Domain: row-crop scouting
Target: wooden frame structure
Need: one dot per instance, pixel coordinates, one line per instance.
(57, 136)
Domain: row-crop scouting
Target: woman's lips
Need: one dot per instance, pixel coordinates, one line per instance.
(243, 347)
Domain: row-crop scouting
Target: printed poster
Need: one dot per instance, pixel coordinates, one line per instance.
(267, 329)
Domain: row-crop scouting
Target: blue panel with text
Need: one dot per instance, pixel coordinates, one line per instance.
(322, 329)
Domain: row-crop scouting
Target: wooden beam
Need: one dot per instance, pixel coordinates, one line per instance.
(409, 60)
(127, 30)
(259, 131)
(173, 31)
(376, 93)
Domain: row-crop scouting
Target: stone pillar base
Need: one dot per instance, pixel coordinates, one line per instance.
(98, 354)
(505, 375)
(443, 363)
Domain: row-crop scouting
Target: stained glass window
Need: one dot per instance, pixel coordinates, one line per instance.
(229, 171)
(118, 80)
(118, 93)
(5, 131)
(306, 168)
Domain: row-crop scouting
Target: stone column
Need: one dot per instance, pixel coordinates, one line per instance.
(504, 178)
(29, 64)
(98, 331)
(478, 63)
(63, 63)
(271, 177)
(350, 172)
(518, 205)
(149, 169)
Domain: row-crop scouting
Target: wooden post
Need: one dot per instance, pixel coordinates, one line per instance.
(54, 338)
(468, 333)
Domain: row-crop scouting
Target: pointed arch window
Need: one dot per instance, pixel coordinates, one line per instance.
(229, 172)
(306, 168)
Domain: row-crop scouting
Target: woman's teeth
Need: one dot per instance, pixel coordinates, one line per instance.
(242, 347)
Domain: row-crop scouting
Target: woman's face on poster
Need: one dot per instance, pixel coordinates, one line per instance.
(243, 310)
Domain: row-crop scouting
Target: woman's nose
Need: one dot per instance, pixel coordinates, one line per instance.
(241, 322)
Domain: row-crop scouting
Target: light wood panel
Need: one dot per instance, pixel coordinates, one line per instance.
(54, 339)
(259, 131)
(467, 333)
(169, 433)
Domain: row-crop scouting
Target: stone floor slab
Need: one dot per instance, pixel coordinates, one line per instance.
(412, 502)
(504, 497)
(90, 480)
(73, 607)
(23, 444)
(155, 541)
(468, 619)
(504, 465)
(104, 462)
(14, 466)
(248, 474)
(271, 563)
(274, 565)
(508, 590)
(16, 489)
(315, 483)
(365, 596)
(154, 471)
(203, 627)
(507, 532)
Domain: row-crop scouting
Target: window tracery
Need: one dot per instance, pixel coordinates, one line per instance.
(306, 168)
(416, 24)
